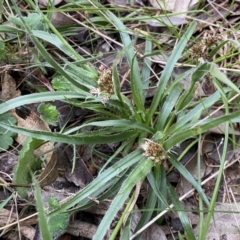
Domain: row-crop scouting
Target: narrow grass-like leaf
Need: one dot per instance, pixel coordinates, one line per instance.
(136, 84)
(54, 40)
(42, 220)
(5, 201)
(121, 221)
(83, 138)
(200, 72)
(146, 215)
(181, 213)
(121, 122)
(203, 127)
(195, 113)
(221, 169)
(146, 67)
(138, 173)
(168, 70)
(39, 97)
(168, 106)
(184, 172)
(99, 184)
(223, 78)
(9, 29)
(217, 48)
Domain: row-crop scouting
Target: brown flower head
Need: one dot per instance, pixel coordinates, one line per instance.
(105, 83)
(154, 151)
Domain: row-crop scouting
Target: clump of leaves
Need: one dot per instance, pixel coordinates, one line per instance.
(6, 137)
(130, 122)
(48, 113)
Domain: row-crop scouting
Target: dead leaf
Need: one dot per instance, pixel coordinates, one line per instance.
(174, 5)
(60, 19)
(83, 229)
(80, 176)
(44, 3)
(225, 224)
(153, 232)
(31, 121)
(50, 172)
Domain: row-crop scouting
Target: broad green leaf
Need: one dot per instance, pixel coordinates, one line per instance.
(33, 20)
(26, 165)
(57, 224)
(54, 40)
(60, 83)
(48, 113)
(6, 136)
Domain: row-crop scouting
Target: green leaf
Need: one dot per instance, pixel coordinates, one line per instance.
(33, 20)
(58, 224)
(39, 97)
(137, 174)
(4, 202)
(181, 213)
(48, 113)
(185, 173)
(43, 225)
(166, 74)
(2, 50)
(136, 83)
(60, 83)
(26, 165)
(6, 139)
(103, 181)
(91, 137)
(53, 39)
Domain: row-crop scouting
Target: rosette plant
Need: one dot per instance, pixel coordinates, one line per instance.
(147, 133)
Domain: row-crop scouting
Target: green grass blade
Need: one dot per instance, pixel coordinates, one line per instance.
(136, 83)
(42, 220)
(83, 138)
(54, 40)
(223, 78)
(99, 184)
(168, 106)
(4, 202)
(39, 97)
(121, 122)
(222, 164)
(181, 213)
(185, 173)
(166, 74)
(138, 173)
(146, 67)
